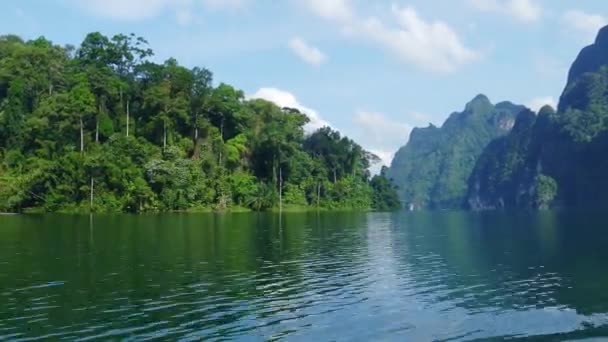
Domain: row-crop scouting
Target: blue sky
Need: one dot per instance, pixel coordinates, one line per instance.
(372, 69)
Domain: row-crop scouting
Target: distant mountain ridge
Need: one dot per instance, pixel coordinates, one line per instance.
(432, 169)
(558, 158)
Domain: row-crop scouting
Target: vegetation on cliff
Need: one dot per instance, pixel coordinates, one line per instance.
(432, 170)
(557, 158)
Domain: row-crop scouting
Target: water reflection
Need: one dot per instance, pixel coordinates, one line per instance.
(317, 276)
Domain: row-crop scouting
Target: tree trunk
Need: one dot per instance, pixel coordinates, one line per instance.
(280, 189)
(195, 134)
(195, 127)
(128, 118)
(274, 172)
(222, 129)
(91, 196)
(165, 127)
(222, 137)
(81, 135)
(164, 135)
(318, 193)
(97, 124)
(197, 147)
(335, 177)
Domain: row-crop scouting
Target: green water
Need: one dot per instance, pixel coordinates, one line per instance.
(304, 277)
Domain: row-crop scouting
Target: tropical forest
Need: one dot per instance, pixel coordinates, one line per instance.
(101, 127)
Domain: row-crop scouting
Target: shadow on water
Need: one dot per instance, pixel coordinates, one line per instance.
(309, 276)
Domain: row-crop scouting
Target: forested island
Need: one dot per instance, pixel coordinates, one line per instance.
(102, 128)
(507, 156)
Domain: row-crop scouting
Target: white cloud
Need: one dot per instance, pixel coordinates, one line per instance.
(374, 131)
(380, 134)
(584, 23)
(386, 158)
(522, 10)
(306, 52)
(431, 45)
(381, 130)
(539, 102)
(284, 98)
(336, 10)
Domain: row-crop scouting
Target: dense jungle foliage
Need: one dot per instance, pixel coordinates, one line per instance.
(101, 127)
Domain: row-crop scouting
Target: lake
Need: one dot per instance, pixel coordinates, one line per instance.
(304, 277)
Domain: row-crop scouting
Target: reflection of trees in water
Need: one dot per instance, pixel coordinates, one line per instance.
(222, 273)
(501, 260)
(209, 270)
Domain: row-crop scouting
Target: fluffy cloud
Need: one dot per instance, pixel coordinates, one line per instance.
(584, 23)
(336, 10)
(431, 45)
(539, 102)
(306, 52)
(522, 10)
(379, 134)
(284, 98)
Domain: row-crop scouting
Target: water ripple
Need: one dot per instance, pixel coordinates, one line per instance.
(366, 277)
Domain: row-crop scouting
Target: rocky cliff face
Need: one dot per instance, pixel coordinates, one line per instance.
(431, 171)
(557, 158)
(590, 59)
(504, 175)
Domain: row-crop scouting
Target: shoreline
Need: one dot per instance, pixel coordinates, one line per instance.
(232, 210)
